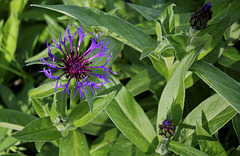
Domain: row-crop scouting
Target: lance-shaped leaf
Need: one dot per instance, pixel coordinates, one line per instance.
(122, 30)
(208, 144)
(172, 99)
(185, 150)
(236, 125)
(123, 146)
(14, 119)
(208, 113)
(129, 128)
(230, 59)
(45, 90)
(82, 114)
(167, 20)
(220, 82)
(40, 107)
(59, 106)
(179, 43)
(144, 80)
(74, 143)
(148, 13)
(130, 118)
(103, 144)
(164, 25)
(7, 142)
(41, 129)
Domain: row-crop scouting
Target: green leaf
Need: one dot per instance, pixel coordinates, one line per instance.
(8, 97)
(102, 145)
(164, 25)
(236, 125)
(234, 12)
(41, 109)
(130, 119)
(190, 79)
(214, 113)
(127, 127)
(30, 34)
(160, 65)
(3, 133)
(123, 146)
(236, 152)
(181, 149)
(38, 145)
(10, 34)
(179, 43)
(167, 21)
(98, 125)
(216, 53)
(148, 13)
(40, 55)
(144, 80)
(147, 26)
(232, 34)
(7, 143)
(74, 143)
(130, 70)
(90, 98)
(146, 52)
(76, 2)
(220, 82)
(14, 119)
(53, 27)
(41, 129)
(130, 128)
(81, 114)
(230, 59)
(17, 6)
(163, 46)
(226, 115)
(45, 90)
(12, 70)
(172, 99)
(122, 30)
(208, 144)
(22, 96)
(59, 106)
(182, 22)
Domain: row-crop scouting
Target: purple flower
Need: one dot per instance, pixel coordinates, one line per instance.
(78, 64)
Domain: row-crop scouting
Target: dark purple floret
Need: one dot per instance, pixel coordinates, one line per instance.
(166, 122)
(207, 7)
(76, 63)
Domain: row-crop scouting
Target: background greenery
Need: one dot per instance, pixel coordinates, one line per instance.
(166, 70)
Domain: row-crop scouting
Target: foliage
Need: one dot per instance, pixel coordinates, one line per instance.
(166, 71)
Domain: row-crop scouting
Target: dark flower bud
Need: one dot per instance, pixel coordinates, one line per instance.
(167, 129)
(200, 18)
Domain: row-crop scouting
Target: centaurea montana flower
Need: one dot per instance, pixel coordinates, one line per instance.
(76, 63)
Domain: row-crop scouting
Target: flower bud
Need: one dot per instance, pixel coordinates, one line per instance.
(200, 18)
(167, 129)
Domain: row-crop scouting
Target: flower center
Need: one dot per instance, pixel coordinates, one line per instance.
(75, 68)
